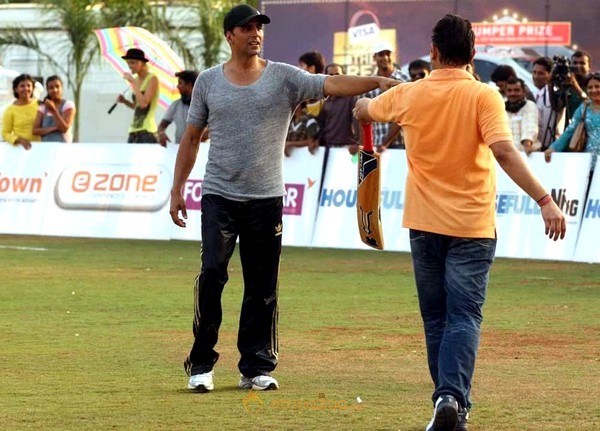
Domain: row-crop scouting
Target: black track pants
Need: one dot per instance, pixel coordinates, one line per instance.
(258, 224)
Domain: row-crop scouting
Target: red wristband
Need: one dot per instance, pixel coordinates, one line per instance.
(545, 200)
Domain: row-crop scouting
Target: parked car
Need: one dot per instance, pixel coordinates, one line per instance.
(485, 65)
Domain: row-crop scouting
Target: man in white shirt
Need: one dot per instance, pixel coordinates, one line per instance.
(386, 135)
(522, 116)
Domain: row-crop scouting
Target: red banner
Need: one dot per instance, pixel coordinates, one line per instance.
(530, 33)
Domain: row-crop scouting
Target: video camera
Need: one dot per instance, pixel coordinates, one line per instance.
(561, 72)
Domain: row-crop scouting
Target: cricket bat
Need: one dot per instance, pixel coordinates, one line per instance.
(368, 200)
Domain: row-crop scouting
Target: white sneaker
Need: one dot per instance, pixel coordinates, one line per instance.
(201, 382)
(259, 383)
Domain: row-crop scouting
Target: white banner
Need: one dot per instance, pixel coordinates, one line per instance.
(110, 191)
(25, 183)
(394, 168)
(302, 177)
(588, 249)
(336, 224)
(519, 223)
(192, 193)
(122, 191)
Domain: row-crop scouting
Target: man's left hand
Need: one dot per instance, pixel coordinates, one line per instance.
(387, 83)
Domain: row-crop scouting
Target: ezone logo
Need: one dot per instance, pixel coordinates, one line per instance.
(84, 181)
(124, 187)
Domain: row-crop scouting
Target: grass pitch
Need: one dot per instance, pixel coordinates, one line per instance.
(94, 333)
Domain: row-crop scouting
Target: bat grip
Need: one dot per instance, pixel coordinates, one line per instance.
(367, 138)
(112, 108)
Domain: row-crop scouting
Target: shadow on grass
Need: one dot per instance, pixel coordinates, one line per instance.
(218, 389)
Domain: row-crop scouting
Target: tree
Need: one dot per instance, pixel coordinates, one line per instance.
(74, 54)
(151, 16)
(210, 16)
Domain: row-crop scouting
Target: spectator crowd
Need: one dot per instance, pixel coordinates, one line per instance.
(544, 118)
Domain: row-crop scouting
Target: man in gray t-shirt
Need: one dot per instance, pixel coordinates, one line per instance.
(247, 102)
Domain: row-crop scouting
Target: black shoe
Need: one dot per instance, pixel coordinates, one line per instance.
(445, 414)
(463, 419)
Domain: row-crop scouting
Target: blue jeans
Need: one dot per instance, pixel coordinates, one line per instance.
(451, 276)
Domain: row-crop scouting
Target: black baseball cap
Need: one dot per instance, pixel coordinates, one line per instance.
(241, 15)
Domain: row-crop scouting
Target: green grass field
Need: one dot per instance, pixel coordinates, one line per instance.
(94, 333)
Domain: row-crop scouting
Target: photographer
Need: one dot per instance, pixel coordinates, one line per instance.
(566, 92)
(581, 62)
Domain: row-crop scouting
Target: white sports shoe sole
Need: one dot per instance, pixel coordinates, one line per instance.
(259, 383)
(201, 383)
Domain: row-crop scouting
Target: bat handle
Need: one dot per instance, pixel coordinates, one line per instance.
(112, 108)
(368, 138)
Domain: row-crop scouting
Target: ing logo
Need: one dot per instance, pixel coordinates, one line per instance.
(113, 187)
(252, 402)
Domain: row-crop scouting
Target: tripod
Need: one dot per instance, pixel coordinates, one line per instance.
(559, 109)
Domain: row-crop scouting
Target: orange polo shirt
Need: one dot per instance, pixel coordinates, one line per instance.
(449, 121)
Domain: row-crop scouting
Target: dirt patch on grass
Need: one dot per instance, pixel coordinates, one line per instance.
(497, 345)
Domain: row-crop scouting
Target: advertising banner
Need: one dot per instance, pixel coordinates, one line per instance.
(302, 177)
(394, 169)
(336, 224)
(192, 193)
(519, 222)
(354, 48)
(588, 249)
(522, 33)
(342, 30)
(25, 183)
(109, 191)
(123, 191)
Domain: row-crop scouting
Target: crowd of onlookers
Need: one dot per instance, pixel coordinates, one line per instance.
(543, 118)
(30, 120)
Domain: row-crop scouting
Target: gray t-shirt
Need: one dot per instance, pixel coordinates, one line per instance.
(177, 113)
(248, 126)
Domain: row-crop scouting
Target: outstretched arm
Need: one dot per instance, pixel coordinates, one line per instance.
(348, 85)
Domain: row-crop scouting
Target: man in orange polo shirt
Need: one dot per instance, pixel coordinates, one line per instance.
(454, 127)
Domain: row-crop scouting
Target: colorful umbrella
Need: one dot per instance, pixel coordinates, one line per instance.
(164, 62)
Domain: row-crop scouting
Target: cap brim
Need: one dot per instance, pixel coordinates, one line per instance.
(263, 19)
